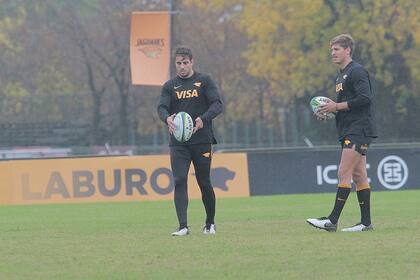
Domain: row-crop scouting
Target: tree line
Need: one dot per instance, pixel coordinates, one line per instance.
(68, 61)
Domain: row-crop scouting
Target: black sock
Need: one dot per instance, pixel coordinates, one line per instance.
(340, 201)
(364, 202)
(210, 206)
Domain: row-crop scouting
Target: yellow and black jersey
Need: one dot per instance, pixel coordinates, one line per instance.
(352, 85)
(199, 97)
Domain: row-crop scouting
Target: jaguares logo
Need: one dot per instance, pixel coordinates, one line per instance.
(338, 87)
(220, 176)
(183, 94)
(152, 48)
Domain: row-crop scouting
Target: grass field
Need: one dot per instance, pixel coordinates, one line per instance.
(257, 238)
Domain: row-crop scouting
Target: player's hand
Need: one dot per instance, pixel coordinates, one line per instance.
(198, 124)
(329, 107)
(170, 123)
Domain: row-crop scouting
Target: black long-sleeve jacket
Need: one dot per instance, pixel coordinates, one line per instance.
(199, 97)
(352, 85)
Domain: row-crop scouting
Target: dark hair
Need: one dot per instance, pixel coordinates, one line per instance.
(184, 51)
(345, 41)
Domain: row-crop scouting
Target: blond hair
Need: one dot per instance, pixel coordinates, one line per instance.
(345, 41)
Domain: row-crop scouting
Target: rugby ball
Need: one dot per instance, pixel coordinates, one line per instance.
(316, 102)
(183, 127)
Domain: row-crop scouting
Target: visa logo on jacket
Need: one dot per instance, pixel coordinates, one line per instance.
(183, 94)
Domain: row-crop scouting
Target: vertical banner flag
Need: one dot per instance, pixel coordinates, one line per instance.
(150, 48)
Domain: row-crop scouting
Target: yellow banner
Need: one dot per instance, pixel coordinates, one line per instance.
(150, 48)
(125, 178)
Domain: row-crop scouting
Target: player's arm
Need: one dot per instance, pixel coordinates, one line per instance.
(361, 85)
(362, 88)
(332, 107)
(214, 101)
(164, 106)
(215, 105)
(363, 93)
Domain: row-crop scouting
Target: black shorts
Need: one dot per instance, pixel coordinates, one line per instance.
(359, 142)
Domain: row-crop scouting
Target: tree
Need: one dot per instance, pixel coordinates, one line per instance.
(289, 48)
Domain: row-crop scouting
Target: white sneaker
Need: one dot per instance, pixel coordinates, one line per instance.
(322, 223)
(181, 232)
(210, 230)
(358, 227)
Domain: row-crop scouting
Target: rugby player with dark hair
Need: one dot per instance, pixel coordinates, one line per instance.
(195, 93)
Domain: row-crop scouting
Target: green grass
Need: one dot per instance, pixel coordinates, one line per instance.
(257, 238)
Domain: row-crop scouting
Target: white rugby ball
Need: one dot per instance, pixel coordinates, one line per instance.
(183, 127)
(316, 102)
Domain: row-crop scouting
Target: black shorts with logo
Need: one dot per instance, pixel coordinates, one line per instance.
(359, 142)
